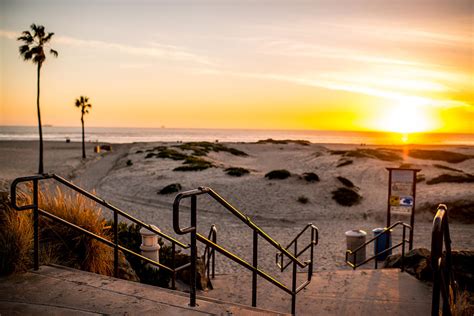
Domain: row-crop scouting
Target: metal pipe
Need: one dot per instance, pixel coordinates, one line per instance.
(35, 225)
(116, 242)
(255, 265)
(192, 292)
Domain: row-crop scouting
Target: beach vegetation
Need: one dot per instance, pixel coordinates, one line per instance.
(150, 155)
(303, 199)
(344, 162)
(193, 163)
(451, 178)
(446, 168)
(236, 171)
(129, 162)
(310, 177)
(379, 153)
(171, 188)
(420, 178)
(171, 154)
(203, 148)
(348, 183)
(346, 196)
(16, 239)
(83, 103)
(33, 48)
(441, 155)
(284, 141)
(279, 174)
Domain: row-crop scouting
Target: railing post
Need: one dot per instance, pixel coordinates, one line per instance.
(310, 269)
(255, 265)
(293, 283)
(214, 240)
(192, 292)
(173, 265)
(35, 225)
(116, 257)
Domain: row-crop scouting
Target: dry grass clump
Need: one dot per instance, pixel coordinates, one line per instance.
(16, 239)
(72, 247)
(380, 154)
(236, 171)
(441, 155)
(452, 178)
(346, 197)
(203, 148)
(193, 163)
(464, 304)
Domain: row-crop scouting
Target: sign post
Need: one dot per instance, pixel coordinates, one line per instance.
(402, 195)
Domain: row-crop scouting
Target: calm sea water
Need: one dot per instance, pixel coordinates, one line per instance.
(130, 135)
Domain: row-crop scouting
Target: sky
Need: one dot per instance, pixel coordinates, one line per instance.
(402, 66)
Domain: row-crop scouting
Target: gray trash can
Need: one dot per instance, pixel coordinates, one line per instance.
(355, 238)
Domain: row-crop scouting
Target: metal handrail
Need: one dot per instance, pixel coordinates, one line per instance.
(387, 230)
(116, 211)
(310, 245)
(210, 254)
(443, 279)
(257, 231)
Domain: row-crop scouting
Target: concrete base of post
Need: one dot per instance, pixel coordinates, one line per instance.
(150, 247)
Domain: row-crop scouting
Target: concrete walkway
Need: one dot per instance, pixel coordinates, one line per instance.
(339, 292)
(63, 291)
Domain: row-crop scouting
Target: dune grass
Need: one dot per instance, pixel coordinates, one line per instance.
(193, 163)
(346, 196)
(311, 177)
(451, 178)
(441, 155)
(236, 171)
(379, 153)
(348, 183)
(171, 188)
(446, 168)
(284, 141)
(16, 239)
(203, 148)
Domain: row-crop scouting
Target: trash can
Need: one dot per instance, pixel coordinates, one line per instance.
(355, 238)
(382, 243)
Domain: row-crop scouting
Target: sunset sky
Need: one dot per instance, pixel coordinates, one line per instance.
(403, 66)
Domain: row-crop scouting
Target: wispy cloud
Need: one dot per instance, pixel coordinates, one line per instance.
(154, 50)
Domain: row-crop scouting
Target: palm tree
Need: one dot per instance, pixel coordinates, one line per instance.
(33, 49)
(82, 103)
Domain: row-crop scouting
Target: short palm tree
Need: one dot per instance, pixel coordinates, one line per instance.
(83, 104)
(33, 49)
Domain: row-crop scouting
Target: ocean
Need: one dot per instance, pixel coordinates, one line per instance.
(130, 135)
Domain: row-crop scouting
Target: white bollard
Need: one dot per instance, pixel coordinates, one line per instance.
(150, 247)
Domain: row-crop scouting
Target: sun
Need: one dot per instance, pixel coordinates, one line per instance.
(405, 119)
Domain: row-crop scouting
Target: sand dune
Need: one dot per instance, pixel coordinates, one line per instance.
(273, 204)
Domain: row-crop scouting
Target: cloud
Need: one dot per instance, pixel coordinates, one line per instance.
(154, 50)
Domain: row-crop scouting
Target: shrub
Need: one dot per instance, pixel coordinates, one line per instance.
(16, 239)
(192, 163)
(346, 197)
(171, 188)
(129, 163)
(348, 183)
(447, 168)
(150, 155)
(451, 178)
(171, 154)
(203, 148)
(284, 141)
(310, 177)
(303, 199)
(236, 171)
(278, 174)
(381, 154)
(441, 155)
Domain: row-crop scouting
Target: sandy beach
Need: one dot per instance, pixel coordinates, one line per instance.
(125, 178)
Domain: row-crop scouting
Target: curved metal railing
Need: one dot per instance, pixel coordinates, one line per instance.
(443, 278)
(116, 211)
(257, 231)
(353, 253)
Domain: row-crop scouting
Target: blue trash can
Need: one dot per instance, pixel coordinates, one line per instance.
(382, 243)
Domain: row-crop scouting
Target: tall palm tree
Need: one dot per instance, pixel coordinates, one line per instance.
(33, 49)
(83, 104)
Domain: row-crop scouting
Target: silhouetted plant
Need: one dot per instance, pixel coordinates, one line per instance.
(83, 104)
(33, 49)
(278, 174)
(236, 171)
(310, 177)
(346, 197)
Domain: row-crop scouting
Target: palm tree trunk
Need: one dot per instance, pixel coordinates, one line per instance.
(40, 168)
(83, 140)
